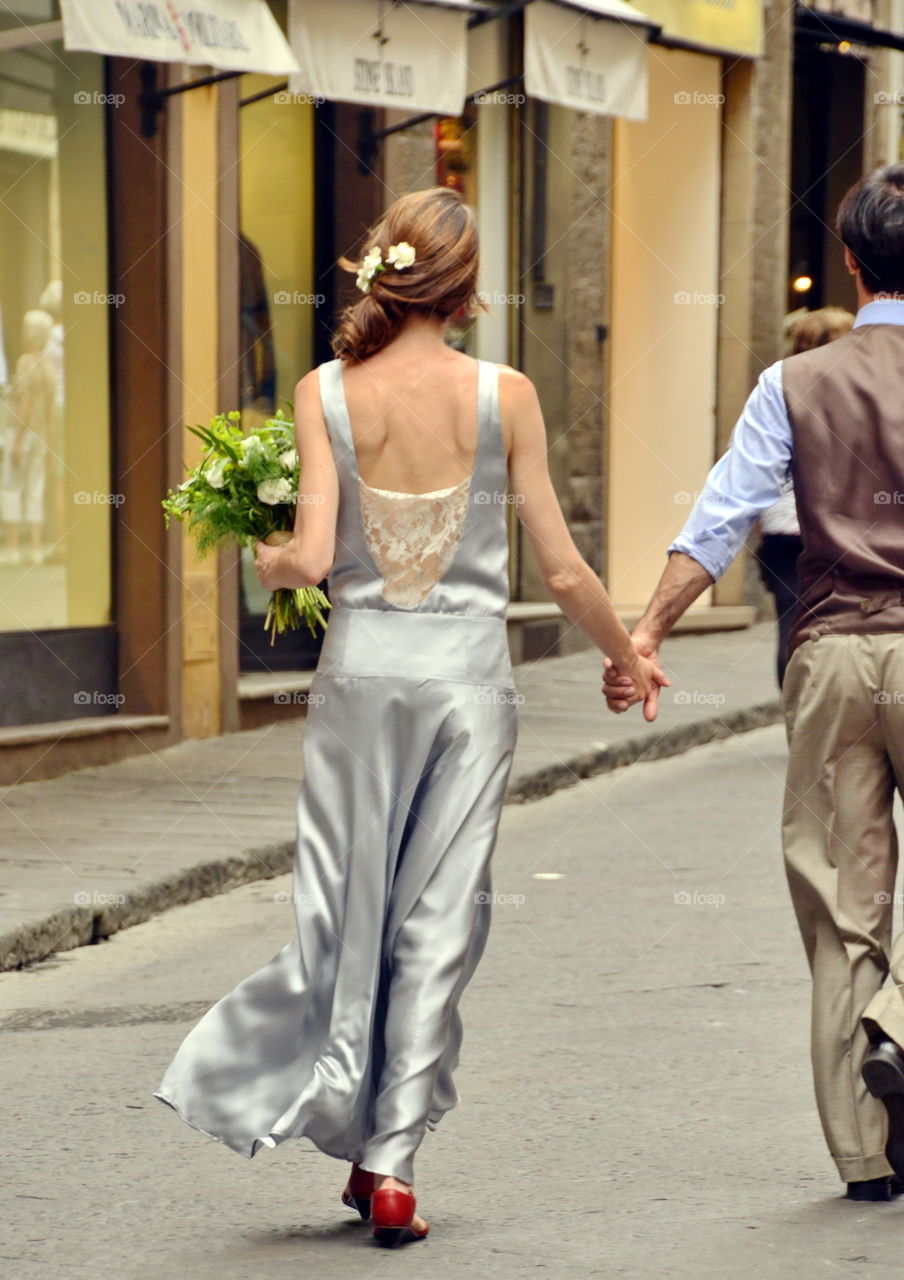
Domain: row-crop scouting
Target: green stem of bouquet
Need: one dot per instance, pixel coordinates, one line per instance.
(290, 607)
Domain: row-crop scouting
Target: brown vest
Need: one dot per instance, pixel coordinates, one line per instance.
(845, 402)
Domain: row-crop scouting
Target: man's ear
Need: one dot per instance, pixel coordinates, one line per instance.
(850, 261)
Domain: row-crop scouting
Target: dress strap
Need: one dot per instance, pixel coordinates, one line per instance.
(335, 412)
(490, 465)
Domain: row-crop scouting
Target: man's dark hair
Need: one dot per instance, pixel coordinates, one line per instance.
(871, 224)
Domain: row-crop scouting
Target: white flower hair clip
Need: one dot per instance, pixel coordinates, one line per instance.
(400, 256)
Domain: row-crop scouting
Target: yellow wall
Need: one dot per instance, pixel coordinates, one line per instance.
(665, 280)
(83, 250)
(277, 215)
(200, 227)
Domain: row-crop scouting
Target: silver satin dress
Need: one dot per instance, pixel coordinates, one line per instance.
(350, 1035)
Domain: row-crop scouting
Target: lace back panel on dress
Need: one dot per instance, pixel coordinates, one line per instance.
(413, 538)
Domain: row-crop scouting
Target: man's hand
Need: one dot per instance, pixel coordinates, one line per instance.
(682, 581)
(638, 682)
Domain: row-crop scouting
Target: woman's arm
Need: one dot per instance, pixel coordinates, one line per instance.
(569, 579)
(308, 557)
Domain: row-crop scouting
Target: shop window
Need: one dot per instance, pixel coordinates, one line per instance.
(56, 507)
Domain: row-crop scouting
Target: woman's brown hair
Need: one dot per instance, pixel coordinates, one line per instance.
(442, 230)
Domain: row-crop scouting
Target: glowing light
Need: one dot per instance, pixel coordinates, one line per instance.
(802, 284)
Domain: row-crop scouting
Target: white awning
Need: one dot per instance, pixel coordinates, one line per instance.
(618, 9)
(233, 35)
(413, 56)
(590, 56)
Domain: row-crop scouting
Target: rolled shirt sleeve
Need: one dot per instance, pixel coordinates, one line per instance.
(748, 478)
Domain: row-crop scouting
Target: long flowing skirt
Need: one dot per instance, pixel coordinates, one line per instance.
(350, 1035)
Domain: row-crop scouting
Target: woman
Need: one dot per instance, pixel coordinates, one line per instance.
(350, 1035)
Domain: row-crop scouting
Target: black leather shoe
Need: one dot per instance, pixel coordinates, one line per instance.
(883, 1072)
(871, 1189)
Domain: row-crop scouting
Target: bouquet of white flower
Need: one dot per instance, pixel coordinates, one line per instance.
(245, 487)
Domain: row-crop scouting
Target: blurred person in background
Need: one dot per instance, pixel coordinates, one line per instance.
(781, 542)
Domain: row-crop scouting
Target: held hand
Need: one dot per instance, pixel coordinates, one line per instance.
(637, 681)
(269, 555)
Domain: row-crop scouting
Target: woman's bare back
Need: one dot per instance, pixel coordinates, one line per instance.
(413, 415)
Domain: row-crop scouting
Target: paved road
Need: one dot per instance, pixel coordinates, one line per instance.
(635, 1091)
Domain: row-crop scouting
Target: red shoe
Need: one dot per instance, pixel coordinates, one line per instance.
(392, 1213)
(359, 1190)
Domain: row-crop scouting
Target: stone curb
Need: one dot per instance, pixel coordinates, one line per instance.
(641, 750)
(82, 925)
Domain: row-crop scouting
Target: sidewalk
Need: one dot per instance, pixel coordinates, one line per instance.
(99, 849)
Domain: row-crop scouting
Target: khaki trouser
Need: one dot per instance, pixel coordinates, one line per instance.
(844, 710)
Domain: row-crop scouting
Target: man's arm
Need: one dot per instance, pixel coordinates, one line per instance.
(682, 581)
(746, 480)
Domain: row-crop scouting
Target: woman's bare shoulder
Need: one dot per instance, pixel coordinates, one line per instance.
(516, 391)
(308, 385)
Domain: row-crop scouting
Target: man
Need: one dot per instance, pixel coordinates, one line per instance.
(833, 418)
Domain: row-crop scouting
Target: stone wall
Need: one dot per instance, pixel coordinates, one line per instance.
(587, 304)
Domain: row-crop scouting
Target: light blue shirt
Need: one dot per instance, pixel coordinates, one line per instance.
(751, 474)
